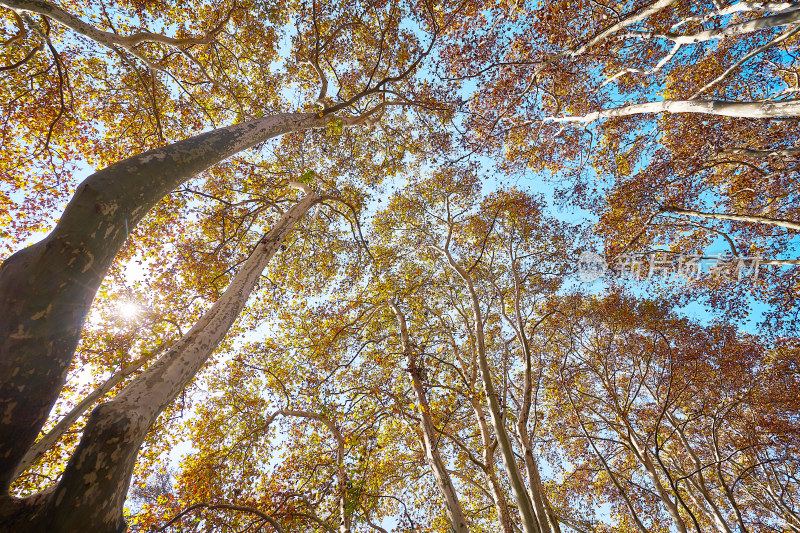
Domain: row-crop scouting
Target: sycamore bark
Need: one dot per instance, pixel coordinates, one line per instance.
(453, 509)
(723, 108)
(47, 288)
(91, 492)
(524, 505)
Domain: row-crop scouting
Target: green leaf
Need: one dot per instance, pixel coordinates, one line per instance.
(307, 176)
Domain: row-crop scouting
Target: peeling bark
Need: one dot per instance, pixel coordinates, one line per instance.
(785, 18)
(48, 440)
(786, 108)
(46, 289)
(92, 489)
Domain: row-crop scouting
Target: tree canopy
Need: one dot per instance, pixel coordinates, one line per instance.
(399, 265)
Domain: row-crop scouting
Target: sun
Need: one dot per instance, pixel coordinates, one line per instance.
(128, 310)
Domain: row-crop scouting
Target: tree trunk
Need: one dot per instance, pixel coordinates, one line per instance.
(455, 513)
(712, 509)
(341, 470)
(54, 435)
(782, 223)
(548, 523)
(46, 289)
(92, 489)
(643, 456)
(499, 497)
(526, 512)
(779, 109)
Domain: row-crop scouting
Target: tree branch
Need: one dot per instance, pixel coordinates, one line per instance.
(228, 506)
(788, 224)
(765, 110)
(72, 22)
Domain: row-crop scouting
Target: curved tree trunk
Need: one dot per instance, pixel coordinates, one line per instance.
(526, 511)
(499, 497)
(46, 289)
(92, 489)
(341, 469)
(54, 435)
(548, 522)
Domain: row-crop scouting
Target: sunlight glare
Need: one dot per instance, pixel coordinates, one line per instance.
(128, 310)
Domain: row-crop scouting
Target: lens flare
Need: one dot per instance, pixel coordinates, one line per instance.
(128, 310)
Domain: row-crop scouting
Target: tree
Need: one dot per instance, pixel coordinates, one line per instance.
(657, 397)
(400, 347)
(409, 362)
(674, 122)
(429, 364)
(43, 321)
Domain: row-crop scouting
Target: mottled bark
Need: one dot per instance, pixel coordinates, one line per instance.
(48, 440)
(787, 17)
(453, 509)
(46, 289)
(526, 511)
(782, 223)
(91, 492)
(768, 109)
(53, 12)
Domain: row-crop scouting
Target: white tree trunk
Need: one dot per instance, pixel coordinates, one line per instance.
(46, 289)
(526, 511)
(455, 513)
(787, 108)
(92, 489)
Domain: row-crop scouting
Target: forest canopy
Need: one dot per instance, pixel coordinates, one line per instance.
(399, 265)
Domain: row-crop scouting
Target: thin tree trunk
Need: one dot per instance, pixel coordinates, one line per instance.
(341, 470)
(548, 522)
(700, 484)
(782, 223)
(750, 152)
(105, 38)
(598, 453)
(455, 513)
(786, 108)
(642, 14)
(527, 514)
(489, 447)
(48, 441)
(499, 497)
(642, 454)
